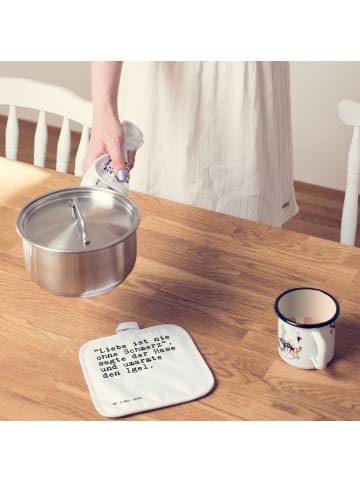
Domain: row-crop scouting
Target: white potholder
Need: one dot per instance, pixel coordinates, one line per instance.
(143, 369)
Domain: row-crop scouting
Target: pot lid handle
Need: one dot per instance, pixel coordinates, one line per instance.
(74, 204)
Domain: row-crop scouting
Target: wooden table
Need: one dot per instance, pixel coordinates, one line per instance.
(216, 276)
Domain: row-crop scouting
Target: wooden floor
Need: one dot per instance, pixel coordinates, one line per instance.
(320, 208)
(320, 212)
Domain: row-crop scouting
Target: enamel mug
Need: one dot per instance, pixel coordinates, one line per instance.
(100, 173)
(306, 327)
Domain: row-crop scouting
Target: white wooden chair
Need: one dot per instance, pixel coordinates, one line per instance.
(20, 92)
(349, 114)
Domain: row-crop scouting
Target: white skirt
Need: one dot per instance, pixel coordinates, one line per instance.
(217, 135)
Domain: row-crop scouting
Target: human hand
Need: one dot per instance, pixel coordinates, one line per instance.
(107, 136)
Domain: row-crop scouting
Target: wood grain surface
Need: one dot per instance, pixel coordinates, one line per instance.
(216, 276)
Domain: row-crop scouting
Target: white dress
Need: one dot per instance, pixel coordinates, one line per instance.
(216, 135)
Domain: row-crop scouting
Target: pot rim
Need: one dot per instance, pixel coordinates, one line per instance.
(88, 251)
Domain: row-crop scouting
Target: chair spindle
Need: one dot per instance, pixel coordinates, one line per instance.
(40, 140)
(80, 155)
(12, 134)
(63, 147)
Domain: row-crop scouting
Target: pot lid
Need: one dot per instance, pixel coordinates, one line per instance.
(78, 219)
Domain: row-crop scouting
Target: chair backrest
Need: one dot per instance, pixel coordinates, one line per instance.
(19, 92)
(349, 114)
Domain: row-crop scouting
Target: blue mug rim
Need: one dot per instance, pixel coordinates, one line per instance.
(316, 325)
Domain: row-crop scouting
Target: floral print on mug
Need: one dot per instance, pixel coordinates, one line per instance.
(290, 347)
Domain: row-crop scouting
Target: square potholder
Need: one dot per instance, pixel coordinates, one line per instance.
(143, 369)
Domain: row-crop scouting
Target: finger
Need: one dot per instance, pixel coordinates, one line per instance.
(117, 162)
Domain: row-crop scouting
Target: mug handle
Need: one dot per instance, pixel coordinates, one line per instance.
(319, 359)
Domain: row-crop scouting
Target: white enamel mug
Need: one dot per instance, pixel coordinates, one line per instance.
(306, 327)
(100, 173)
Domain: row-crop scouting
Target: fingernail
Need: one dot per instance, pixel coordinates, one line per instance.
(121, 175)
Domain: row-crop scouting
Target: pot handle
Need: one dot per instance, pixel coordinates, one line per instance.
(78, 215)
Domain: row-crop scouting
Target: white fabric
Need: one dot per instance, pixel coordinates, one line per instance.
(138, 370)
(216, 135)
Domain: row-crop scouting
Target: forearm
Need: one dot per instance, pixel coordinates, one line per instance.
(105, 78)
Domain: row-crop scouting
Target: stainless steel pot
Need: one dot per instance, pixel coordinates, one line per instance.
(79, 241)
